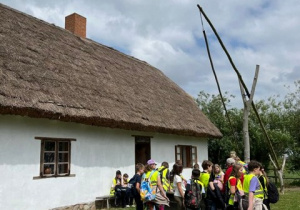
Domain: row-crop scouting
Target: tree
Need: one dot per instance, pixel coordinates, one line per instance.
(281, 119)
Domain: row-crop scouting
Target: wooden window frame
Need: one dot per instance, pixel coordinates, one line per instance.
(56, 152)
(189, 151)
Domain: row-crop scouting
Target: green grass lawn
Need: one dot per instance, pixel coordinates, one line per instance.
(290, 200)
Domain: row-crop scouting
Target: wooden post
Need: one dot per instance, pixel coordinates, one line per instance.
(247, 106)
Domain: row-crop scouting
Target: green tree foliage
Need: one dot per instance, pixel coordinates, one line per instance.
(281, 119)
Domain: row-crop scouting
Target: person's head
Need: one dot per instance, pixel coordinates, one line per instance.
(217, 169)
(125, 177)
(118, 174)
(237, 170)
(139, 168)
(177, 169)
(165, 164)
(195, 173)
(207, 165)
(152, 164)
(196, 166)
(179, 162)
(254, 167)
(232, 154)
(230, 161)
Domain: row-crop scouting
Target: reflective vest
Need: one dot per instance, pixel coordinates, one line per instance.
(199, 182)
(112, 189)
(164, 179)
(238, 186)
(204, 178)
(153, 178)
(258, 193)
(265, 184)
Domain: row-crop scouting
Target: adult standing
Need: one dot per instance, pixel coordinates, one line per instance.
(229, 163)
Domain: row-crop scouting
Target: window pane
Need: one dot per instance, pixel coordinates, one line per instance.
(63, 146)
(178, 157)
(49, 145)
(49, 157)
(178, 149)
(48, 169)
(63, 157)
(62, 168)
(193, 156)
(193, 150)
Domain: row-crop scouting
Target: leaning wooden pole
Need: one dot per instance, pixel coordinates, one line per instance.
(272, 151)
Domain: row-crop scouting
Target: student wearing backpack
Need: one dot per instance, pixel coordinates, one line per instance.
(263, 179)
(135, 182)
(152, 176)
(252, 187)
(234, 187)
(194, 192)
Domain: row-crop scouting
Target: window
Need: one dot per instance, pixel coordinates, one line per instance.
(187, 154)
(55, 156)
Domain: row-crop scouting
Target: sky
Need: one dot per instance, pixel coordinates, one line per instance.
(167, 34)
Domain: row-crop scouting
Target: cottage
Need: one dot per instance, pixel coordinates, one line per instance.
(73, 111)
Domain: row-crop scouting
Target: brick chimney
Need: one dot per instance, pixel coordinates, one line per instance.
(76, 24)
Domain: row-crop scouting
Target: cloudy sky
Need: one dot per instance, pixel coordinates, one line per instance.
(168, 35)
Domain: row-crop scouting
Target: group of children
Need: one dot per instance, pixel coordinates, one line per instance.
(242, 186)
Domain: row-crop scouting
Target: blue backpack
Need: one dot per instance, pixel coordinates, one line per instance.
(147, 191)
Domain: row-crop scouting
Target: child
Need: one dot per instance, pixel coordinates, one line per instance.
(116, 188)
(136, 184)
(252, 186)
(126, 188)
(204, 179)
(179, 186)
(195, 178)
(234, 184)
(219, 176)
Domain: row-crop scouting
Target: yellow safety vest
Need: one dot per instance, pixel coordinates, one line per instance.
(112, 189)
(153, 178)
(204, 178)
(238, 186)
(265, 184)
(199, 182)
(165, 182)
(258, 193)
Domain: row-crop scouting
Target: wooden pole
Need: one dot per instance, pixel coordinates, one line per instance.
(272, 152)
(246, 113)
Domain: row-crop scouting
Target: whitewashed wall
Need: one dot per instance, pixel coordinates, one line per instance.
(96, 154)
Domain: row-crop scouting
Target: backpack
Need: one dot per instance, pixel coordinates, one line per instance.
(193, 195)
(147, 191)
(272, 193)
(226, 193)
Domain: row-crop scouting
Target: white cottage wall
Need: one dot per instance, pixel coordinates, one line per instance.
(95, 156)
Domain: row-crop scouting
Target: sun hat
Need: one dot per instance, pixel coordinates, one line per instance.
(150, 162)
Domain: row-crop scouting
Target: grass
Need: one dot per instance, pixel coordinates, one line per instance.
(289, 200)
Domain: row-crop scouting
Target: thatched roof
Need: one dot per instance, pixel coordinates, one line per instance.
(48, 72)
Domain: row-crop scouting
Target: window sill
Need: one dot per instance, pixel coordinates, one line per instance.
(46, 177)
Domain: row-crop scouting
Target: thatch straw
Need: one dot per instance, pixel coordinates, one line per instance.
(47, 72)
